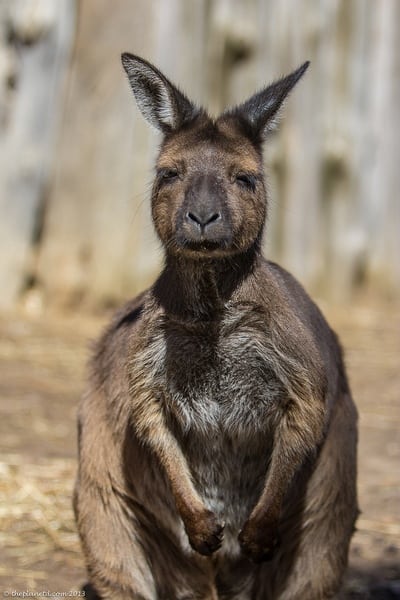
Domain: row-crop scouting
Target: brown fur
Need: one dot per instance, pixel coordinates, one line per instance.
(218, 435)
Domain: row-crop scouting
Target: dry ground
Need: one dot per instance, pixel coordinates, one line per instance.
(41, 379)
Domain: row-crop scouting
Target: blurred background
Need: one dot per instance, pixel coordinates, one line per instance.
(76, 156)
(76, 166)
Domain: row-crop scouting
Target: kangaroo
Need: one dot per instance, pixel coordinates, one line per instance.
(217, 439)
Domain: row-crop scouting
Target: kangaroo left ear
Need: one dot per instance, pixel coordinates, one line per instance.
(160, 102)
(260, 112)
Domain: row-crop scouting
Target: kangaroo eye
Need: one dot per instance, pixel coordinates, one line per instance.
(168, 174)
(247, 181)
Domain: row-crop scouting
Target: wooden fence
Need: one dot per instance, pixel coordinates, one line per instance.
(76, 157)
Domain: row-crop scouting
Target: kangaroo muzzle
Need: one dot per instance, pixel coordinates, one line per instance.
(204, 219)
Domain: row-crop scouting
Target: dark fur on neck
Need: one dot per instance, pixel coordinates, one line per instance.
(192, 289)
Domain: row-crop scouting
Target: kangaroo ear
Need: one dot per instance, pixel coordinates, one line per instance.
(260, 112)
(160, 102)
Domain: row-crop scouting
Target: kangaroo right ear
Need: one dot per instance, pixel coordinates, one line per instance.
(159, 101)
(261, 110)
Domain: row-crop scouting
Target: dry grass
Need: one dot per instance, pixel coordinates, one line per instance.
(41, 379)
(36, 517)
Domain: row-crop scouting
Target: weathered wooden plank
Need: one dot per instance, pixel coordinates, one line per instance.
(381, 174)
(41, 34)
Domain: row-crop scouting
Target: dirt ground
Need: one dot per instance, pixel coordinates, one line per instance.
(41, 379)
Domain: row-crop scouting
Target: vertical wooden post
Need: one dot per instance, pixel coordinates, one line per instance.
(42, 35)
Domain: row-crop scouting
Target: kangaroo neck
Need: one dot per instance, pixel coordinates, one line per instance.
(197, 289)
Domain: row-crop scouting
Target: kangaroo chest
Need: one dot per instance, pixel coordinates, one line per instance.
(220, 395)
(218, 378)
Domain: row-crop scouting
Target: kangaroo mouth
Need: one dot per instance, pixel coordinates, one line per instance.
(204, 247)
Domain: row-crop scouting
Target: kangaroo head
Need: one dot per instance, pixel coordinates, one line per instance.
(209, 197)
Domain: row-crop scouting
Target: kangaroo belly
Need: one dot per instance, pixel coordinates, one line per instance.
(221, 398)
(229, 476)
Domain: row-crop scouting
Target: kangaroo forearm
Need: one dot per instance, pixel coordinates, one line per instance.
(204, 530)
(297, 437)
(152, 430)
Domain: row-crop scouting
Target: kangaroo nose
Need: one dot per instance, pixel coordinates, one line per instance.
(202, 219)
